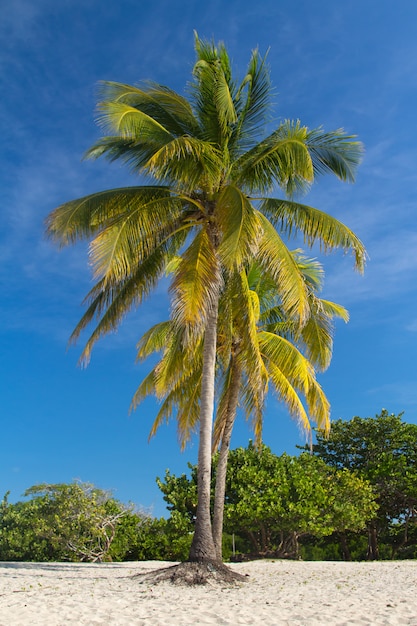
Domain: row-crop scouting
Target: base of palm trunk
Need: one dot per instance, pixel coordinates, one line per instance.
(193, 573)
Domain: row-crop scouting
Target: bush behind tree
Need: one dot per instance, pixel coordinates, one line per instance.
(272, 502)
(325, 506)
(383, 451)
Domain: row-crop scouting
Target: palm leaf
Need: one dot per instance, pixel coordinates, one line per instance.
(246, 316)
(195, 282)
(289, 396)
(285, 355)
(145, 389)
(312, 270)
(165, 106)
(85, 217)
(274, 256)
(335, 153)
(135, 153)
(334, 310)
(318, 406)
(253, 112)
(133, 235)
(224, 103)
(130, 123)
(214, 92)
(281, 158)
(112, 302)
(183, 400)
(317, 334)
(154, 340)
(179, 359)
(239, 225)
(315, 225)
(185, 160)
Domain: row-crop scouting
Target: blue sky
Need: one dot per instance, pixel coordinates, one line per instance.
(337, 64)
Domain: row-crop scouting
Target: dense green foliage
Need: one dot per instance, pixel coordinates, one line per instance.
(70, 522)
(275, 501)
(357, 493)
(79, 522)
(272, 502)
(382, 450)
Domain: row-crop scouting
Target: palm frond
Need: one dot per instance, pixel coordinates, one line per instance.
(175, 379)
(253, 403)
(315, 225)
(195, 282)
(135, 153)
(180, 359)
(161, 103)
(317, 338)
(274, 256)
(289, 396)
(316, 335)
(214, 92)
(224, 104)
(318, 406)
(145, 389)
(184, 400)
(334, 310)
(246, 316)
(85, 217)
(287, 357)
(334, 152)
(254, 98)
(282, 158)
(239, 225)
(112, 302)
(187, 161)
(290, 370)
(128, 122)
(133, 235)
(154, 340)
(311, 269)
(189, 409)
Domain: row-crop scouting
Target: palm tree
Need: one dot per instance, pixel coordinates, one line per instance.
(277, 344)
(208, 201)
(254, 337)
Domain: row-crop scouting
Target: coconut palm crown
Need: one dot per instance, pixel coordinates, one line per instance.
(208, 199)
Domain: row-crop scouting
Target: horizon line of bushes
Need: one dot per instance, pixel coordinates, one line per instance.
(353, 498)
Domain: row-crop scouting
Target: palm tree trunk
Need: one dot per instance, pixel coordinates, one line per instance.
(220, 489)
(202, 547)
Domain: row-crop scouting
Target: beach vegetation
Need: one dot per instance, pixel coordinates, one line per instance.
(383, 451)
(275, 506)
(272, 502)
(61, 522)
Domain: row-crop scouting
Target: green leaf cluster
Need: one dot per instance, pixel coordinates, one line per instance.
(61, 522)
(383, 451)
(274, 501)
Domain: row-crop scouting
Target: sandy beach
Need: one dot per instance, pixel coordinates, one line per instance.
(277, 592)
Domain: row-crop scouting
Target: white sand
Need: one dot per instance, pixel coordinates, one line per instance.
(277, 592)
